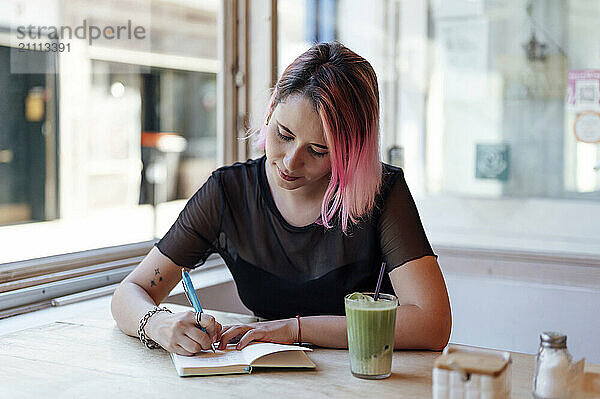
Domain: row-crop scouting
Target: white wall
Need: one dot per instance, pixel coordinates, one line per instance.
(504, 314)
(504, 298)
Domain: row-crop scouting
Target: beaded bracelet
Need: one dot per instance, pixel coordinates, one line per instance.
(150, 344)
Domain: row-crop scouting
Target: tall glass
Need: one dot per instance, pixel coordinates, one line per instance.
(371, 325)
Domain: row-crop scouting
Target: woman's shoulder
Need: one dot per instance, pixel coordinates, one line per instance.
(390, 174)
(239, 168)
(388, 169)
(239, 174)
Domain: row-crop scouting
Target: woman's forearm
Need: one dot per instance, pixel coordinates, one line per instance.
(129, 304)
(326, 331)
(415, 329)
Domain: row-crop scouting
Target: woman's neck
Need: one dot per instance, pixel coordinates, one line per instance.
(301, 206)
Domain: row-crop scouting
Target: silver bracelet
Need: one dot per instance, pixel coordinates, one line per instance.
(150, 344)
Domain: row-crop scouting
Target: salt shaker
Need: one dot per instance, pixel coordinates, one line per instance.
(551, 379)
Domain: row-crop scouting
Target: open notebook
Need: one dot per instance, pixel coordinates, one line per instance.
(232, 361)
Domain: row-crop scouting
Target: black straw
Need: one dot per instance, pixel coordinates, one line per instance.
(379, 281)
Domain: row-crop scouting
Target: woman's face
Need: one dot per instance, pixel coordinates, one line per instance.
(297, 155)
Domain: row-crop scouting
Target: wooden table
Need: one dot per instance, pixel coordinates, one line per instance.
(91, 358)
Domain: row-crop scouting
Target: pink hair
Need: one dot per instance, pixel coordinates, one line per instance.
(343, 88)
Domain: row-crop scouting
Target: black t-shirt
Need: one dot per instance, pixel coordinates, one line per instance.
(282, 270)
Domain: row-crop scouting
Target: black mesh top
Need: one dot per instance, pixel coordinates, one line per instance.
(281, 270)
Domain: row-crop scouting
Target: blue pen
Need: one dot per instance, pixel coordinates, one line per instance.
(192, 297)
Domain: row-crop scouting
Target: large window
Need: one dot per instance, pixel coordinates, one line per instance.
(102, 139)
(113, 115)
(491, 107)
(507, 82)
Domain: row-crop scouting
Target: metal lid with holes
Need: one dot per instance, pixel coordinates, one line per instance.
(552, 339)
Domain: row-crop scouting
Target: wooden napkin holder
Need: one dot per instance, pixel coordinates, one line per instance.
(472, 373)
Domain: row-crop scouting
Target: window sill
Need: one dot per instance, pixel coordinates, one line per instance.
(211, 276)
(545, 226)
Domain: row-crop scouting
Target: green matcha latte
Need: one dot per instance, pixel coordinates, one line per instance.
(370, 326)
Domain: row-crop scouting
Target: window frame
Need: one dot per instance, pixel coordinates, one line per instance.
(57, 280)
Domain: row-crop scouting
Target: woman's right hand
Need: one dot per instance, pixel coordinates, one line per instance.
(178, 333)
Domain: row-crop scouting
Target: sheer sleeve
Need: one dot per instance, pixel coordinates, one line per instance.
(401, 234)
(194, 235)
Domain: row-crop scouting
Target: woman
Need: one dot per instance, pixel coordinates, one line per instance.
(300, 227)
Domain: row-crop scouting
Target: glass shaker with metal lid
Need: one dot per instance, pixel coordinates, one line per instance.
(551, 378)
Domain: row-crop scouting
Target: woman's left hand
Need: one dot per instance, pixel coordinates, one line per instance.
(279, 331)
